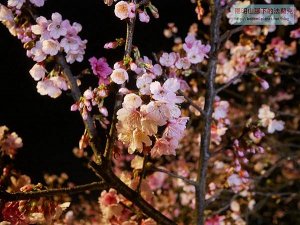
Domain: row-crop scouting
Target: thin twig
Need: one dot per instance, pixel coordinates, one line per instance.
(231, 32)
(76, 94)
(186, 180)
(191, 102)
(142, 174)
(52, 192)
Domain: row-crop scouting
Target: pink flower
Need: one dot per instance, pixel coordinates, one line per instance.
(168, 60)
(295, 33)
(119, 76)
(221, 110)
(162, 147)
(41, 28)
(37, 53)
(143, 83)
(144, 17)
(101, 69)
(38, 3)
(108, 198)
(275, 125)
(183, 63)
(58, 27)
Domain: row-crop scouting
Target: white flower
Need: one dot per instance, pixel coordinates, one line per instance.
(132, 101)
(221, 110)
(38, 3)
(50, 47)
(119, 76)
(143, 83)
(266, 115)
(37, 72)
(15, 3)
(37, 52)
(122, 10)
(47, 87)
(275, 125)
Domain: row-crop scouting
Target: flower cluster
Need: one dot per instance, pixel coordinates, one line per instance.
(195, 52)
(9, 142)
(43, 41)
(114, 210)
(266, 117)
(241, 56)
(139, 122)
(36, 211)
(54, 35)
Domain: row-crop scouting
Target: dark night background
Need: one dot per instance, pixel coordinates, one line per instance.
(48, 128)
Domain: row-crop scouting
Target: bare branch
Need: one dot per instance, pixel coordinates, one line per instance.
(229, 33)
(229, 83)
(76, 94)
(186, 180)
(52, 192)
(190, 101)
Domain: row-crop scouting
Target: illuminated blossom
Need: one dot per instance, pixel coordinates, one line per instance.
(168, 60)
(119, 76)
(57, 27)
(124, 10)
(37, 72)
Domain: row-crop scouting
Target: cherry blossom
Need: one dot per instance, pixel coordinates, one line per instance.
(101, 69)
(119, 76)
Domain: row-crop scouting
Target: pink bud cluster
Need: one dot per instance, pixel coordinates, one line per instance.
(92, 98)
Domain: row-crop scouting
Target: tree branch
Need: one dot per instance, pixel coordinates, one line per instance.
(114, 182)
(190, 101)
(51, 192)
(186, 180)
(208, 109)
(231, 32)
(76, 94)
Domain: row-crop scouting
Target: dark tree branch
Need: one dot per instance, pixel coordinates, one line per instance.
(76, 94)
(229, 33)
(186, 180)
(190, 101)
(208, 109)
(52, 192)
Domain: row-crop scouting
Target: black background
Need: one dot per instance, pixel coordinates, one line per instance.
(48, 128)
